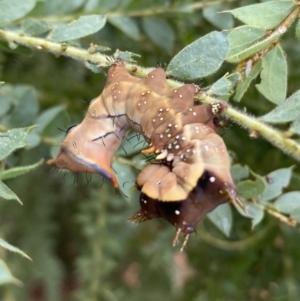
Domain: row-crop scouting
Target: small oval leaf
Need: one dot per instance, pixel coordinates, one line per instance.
(83, 27)
(160, 32)
(276, 180)
(287, 111)
(201, 58)
(221, 217)
(11, 10)
(274, 76)
(265, 15)
(288, 202)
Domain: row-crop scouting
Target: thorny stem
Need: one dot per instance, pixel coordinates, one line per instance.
(274, 136)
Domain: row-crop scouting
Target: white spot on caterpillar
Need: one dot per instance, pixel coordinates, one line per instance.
(212, 179)
(143, 93)
(194, 113)
(181, 156)
(162, 155)
(169, 135)
(170, 146)
(175, 91)
(167, 109)
(161, 109)
(216, 108)
(167, 130)
(152, 76)
(161, 118)
(177, 146)
(206, 148)
(115, 97)
(170, 125)
(145, 102)
(161, 136)
(119, 92)
(144, 201)
(153, 119)
(177, 137)
(148, 92)
(180, 95)
(170, 157)
(177, 212)
(139, 104)
(158, 182)
(190, 109)
(188, 150)
(176, 125)
(194, 151)
(183, 138)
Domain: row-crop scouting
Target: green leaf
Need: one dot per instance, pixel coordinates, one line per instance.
(83, 27)
(288, 202)
(221, 217)
(296, 214)
(213, 14)
(201, 58)
(251, 189)
(297, 30)
(11, 248)
(126, 177)
(287, 111)
(34, 27)
(12, 140)
(59, 7)
(6, 276)
(241, 38)
(126, 25)
(11, 10)
(276, 181)
(160, 33)
(274, 76)
(295, 128)
(255, 212)
(17, 171)
(243, 85)
(221, 87)
(26, 110)
(266, 15)
(7, 194)
(239, 172)
(47, 117)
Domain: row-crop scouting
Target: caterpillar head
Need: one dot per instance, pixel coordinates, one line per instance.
(90, 146)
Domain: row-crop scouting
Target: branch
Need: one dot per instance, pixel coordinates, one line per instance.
(256, 126)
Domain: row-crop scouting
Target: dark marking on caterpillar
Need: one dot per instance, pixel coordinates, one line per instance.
(190, 175)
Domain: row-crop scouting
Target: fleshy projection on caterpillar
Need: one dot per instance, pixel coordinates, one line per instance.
(190, 175)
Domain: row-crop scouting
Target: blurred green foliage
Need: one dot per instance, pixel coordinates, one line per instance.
(74, 226)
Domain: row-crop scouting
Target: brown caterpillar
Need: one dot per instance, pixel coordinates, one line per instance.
(191, 174)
